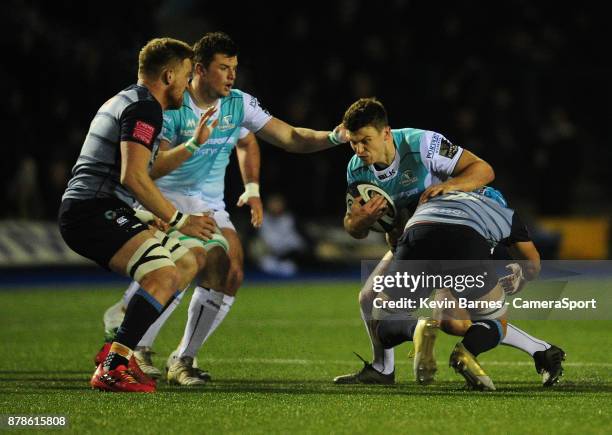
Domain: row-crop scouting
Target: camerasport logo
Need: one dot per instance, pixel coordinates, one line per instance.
(143, 132)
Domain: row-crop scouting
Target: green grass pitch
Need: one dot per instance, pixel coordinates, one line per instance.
(272, 362)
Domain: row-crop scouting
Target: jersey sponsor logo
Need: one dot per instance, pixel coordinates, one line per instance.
(434, 145)
(208, 151)
(187, 133)
(448, 149)
(254, 103)
(408, 194)
(122, 220)
(191, 123)
(446, 211)
(226, 123)
(390, 173)
(408, 178)
(144, 132)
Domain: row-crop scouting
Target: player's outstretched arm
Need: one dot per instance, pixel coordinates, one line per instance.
(249, 161)
(300, 140)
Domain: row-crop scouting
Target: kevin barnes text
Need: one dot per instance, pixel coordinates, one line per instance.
(517, 303)
(413, 304)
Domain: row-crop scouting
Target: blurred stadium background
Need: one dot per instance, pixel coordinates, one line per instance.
(522, 86)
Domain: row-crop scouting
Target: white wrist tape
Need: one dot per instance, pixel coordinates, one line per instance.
(251, 189)
(144, 216)
(178, 220)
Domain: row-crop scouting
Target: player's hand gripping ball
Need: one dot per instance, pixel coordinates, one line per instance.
(367, 191)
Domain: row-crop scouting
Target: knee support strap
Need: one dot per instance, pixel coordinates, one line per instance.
(217, 240)
(148, 257)
(172, 244)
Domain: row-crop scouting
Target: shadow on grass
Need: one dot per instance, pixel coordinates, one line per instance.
(450, 388)
(44, 372)
(32, 382)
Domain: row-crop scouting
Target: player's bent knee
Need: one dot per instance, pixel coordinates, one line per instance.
(392, 332)
(173, 245)
(201, 257)
(235, 280)
(188, 268)
(161, 283)
(217, 240)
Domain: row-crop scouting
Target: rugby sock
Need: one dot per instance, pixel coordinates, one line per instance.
(518, 338)
(140, 313)
(383, 359)
(226, 305)
(204, 307)
(151, 334)
(483, 335)
(129, 292)
(113, 317)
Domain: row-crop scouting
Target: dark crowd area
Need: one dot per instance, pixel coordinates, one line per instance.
(524, 85)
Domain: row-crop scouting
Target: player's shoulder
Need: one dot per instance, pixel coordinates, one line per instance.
(248, 100)
(356, 166)
(235, 94)
(409, 140)
(134, 97)
(235, 100)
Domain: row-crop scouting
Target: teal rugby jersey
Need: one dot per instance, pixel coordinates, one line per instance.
(422, 158)
(203, 174)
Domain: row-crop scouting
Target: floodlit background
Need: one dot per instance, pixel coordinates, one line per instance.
(525, 86)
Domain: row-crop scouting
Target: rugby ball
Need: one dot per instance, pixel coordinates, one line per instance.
(365, 192)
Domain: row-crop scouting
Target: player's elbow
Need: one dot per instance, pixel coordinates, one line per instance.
(353, 232)
(533, 269)
(357, 234)
(487, 172)
(297, 143)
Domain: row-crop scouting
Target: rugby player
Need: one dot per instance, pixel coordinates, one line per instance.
(193, 178)
(411, 165)
(96, 218)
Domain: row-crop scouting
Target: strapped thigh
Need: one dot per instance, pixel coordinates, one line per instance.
(172, 244)
(149, 256)
(217, 240)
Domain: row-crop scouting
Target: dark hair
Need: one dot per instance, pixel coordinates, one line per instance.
(213, 43)
(364, 112)
(159, 53)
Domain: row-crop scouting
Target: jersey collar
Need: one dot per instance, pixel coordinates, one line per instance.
(388, 172)
(188, 101)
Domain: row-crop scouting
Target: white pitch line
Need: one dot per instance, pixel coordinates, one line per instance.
(283, 361)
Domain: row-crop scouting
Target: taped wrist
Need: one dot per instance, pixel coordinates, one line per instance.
(178, 220)
(144, 216)
(192, 145)
(251, 190)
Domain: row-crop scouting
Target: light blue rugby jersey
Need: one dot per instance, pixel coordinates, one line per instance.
(422, 158)
(203, 174)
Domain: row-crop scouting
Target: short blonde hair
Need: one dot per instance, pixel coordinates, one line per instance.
(159, 53)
